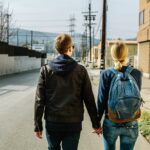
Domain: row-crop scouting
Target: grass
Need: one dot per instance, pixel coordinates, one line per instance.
(145, 125)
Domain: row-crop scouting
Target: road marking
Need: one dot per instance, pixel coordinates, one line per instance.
(3, 91)
(15, 87)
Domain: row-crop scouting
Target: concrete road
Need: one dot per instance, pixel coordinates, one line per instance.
(16, 117)
(16, 113)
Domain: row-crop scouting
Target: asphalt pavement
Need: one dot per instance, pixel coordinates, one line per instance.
(16, 117)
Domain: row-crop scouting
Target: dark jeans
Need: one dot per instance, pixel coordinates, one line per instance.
(128, 133)
(68, 140)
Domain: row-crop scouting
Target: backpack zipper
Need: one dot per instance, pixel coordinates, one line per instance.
(118, 114)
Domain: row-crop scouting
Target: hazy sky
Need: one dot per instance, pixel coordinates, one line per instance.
(53, 15)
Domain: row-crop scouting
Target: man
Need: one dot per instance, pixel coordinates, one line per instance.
(62, 89)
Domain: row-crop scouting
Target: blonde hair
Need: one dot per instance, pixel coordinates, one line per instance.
(62, 42)
(119, 54)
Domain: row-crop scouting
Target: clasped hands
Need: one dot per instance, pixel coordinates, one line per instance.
(98, 131)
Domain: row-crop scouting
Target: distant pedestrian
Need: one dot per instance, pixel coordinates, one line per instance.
(63, 87)
(119, 99)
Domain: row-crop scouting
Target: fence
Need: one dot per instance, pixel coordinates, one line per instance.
(15, 59)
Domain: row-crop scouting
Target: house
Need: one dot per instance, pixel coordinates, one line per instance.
(96, 53)
(132, 47)
(143, 38)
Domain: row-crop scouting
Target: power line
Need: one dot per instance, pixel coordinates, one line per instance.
(72, 26)
(98, 29)
(99, 26)
(45, 26)
(42, 20)
(24, 35)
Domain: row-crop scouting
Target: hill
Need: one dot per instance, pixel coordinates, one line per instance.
(22, 37)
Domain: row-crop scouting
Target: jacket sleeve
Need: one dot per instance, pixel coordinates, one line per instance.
(39, 102)
(89, 100)
(102, 95)
(138, 79)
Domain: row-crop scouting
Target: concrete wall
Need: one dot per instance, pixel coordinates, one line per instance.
(14, 64)
(144, 58)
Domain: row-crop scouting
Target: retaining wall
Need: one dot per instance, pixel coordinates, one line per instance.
(15, 59)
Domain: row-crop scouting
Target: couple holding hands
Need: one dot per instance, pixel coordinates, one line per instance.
(64, 87)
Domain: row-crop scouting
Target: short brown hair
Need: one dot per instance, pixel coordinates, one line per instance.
(62, 43)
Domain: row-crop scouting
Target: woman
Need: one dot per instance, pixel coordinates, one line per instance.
(126, 129)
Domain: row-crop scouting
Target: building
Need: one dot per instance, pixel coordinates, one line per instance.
(96, 53)
(95, 56)
(143, 38)
(38, 47)
(132, 47)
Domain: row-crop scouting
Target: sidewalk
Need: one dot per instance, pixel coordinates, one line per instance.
(141, 143)
(146, 93)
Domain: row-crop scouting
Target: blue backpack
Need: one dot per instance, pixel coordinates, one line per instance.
(124, 97)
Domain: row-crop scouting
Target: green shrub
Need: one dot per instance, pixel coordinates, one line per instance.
(144, 125)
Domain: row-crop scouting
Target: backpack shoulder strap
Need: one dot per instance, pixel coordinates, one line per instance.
(114, 70)
(48, 73)
(129, 69)
(47, 68)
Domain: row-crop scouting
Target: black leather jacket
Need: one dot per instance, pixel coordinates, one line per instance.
(61, 98)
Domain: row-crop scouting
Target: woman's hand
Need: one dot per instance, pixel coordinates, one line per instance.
(98, 131)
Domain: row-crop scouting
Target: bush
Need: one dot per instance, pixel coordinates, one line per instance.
(145, 125)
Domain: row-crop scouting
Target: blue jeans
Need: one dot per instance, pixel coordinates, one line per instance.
(128, 133)
(68, 140)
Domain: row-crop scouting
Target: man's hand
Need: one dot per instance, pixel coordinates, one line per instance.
(39, 134)
(98, 131)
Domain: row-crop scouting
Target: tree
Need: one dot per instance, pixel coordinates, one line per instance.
(5, 24)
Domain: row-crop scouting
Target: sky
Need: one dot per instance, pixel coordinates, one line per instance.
(53, 15)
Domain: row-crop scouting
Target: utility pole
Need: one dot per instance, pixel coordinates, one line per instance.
(93, 47)
(90, 42)
(72, 26)
(8, 27)
(86, 38)
(103, 45)
(84, 45)
(72, 30)
(89, 16)
(31, 39)
(26, 40)
(17, 37)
